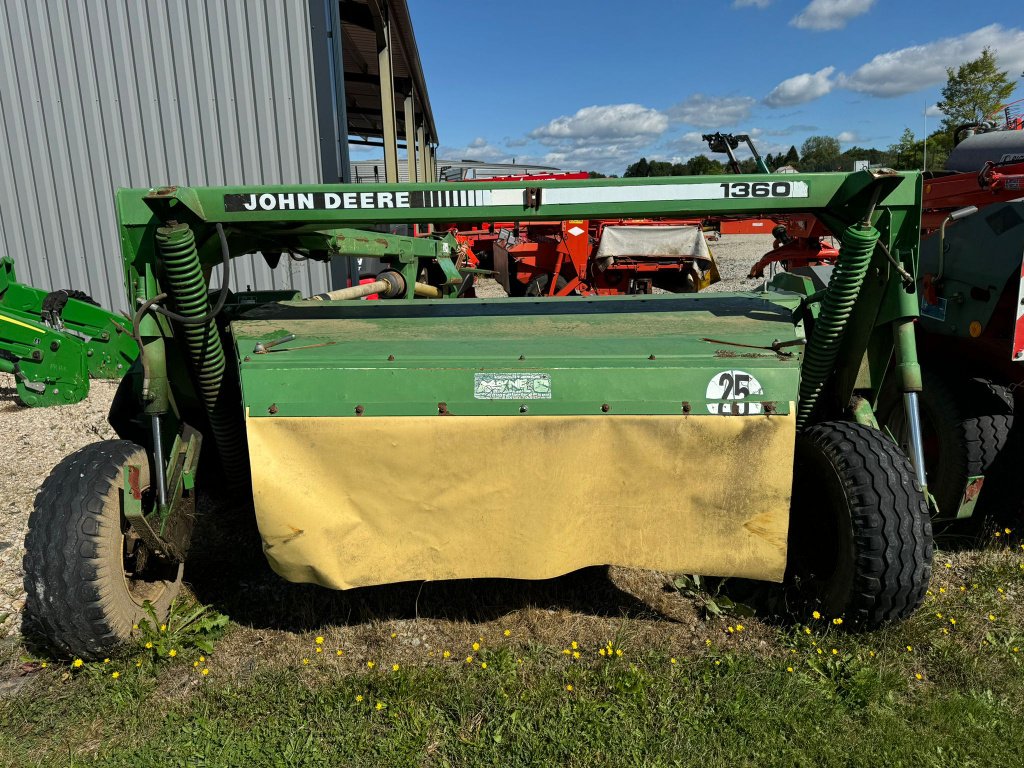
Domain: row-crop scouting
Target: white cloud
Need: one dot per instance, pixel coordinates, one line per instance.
(847, 137)
(711, 112)
(830, 14)
(478, 149)
(933, 111)
(751, 3)
(801, 88)
(608, 122)
(910, 69)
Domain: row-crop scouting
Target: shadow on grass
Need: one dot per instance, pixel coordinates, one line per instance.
(227, 570)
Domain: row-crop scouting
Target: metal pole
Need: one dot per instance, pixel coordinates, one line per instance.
(422, 154)
(389, 120)
(916, 442)
(158, 460)
(410, 138)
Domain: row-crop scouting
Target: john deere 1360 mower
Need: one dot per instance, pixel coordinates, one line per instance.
(425, 436)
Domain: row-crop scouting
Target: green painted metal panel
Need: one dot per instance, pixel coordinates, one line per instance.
(627, 355)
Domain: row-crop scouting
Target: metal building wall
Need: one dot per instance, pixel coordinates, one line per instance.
(100, 94)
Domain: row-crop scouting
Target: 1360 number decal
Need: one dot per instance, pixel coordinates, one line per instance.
(758, 189)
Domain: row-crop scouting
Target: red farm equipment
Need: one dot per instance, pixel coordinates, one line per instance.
(591, 257)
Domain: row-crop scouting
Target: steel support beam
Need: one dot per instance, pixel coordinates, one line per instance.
(422, 153)
(410, 137)
(389, 120)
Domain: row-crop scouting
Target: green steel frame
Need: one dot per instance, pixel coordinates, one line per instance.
(187, 380)
(53, 352)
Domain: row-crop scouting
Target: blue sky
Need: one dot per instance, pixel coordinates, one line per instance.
(597, 84)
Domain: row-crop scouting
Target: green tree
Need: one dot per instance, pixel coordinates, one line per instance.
(640, 169)
(906, 154)
(702, 165)
(975, 89)
(595, 175)
(792, 157)
(820, 153)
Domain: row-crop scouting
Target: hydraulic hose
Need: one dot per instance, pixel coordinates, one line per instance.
(857, 246)
(183, 272)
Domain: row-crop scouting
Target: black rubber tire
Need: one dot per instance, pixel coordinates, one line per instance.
(965, 425)
(860, 537)
(81, 602)
(538, 287)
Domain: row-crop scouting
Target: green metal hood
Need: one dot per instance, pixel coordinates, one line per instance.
(663, 354)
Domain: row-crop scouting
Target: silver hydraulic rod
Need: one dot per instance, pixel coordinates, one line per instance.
(158, 460)
(916, 446)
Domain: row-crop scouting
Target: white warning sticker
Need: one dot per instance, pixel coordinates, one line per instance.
(512, 386)
(734, 386)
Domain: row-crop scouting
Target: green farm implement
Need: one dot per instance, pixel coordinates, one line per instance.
(425, 436)
(53, 342)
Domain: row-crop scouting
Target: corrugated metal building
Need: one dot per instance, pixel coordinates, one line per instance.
(100, 94)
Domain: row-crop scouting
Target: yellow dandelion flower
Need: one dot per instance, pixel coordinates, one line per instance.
(569, 687)
(379, 706)
(919, 676)
(319, 640)
(319, 649)
(999, 590)
(476, 646)
(807, 630)
(717, 662)
(163, 627)
(370, 664)
(43, 665)
(469, 659)
(135, 626)
(837, 621)
(202, 658)
(618, 651)
(739, 627)
(835, 652)
(575, 654)
(1015, 649)
(395, 667)
(205, 671)
(672, 661)
(949, 564)
(1007, 531)
(601, 651)
(963, 588)
(447, 654)
(339, 652)
(195, 663)
(991, 617)
(952, 621)
(305, 662)
(730, 630)
(707, 642)
(359, 697)
(789, 669)
(816, 615)
(138, 663)
(115, 674)
(938, 615)
(566, 652)
(942, 590)
(394, 635)
(77, 663)
(871, 654)
(106, 661)
(507, 633)
(149, 645)
(483, 665)
(820, 651)
(574, 645)
(998, 534)
(172, 653)
(945, 630)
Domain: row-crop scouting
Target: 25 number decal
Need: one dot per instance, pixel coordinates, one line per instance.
(759, 189)
(734, 386)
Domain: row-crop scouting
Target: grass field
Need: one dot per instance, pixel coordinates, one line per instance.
(544, 678)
